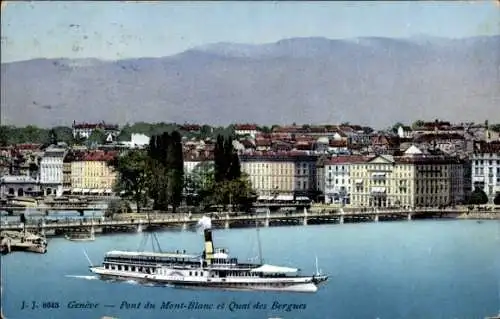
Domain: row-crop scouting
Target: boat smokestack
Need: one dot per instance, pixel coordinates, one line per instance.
(209, 245)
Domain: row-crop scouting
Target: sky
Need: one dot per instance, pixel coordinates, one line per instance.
(118, 30)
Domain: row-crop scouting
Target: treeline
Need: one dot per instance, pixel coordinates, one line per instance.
(157, 174)
(11, 135)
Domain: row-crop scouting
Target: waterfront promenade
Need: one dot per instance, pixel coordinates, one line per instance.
(136, 222)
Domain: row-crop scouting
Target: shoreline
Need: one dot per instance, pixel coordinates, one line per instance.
(479, 216)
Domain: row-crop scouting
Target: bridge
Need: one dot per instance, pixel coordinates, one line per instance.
(53, 207)
(80, 207)
(226, 220)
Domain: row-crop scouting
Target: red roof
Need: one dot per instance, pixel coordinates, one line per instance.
(100, 156)
(245, 127)
(95, 126)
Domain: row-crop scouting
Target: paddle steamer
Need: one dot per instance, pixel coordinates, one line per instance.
(214, 268)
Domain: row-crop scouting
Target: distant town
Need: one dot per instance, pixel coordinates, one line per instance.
(424, 164)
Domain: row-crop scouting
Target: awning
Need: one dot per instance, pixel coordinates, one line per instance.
(109, 191)
(85, 190)
(284, 197)
(76, 190)
(265, 197)
(94, 191)
(274, 269)
(359, 181)
(302, 198)
(101, 191)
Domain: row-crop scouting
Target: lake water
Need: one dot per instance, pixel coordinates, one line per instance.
(418, 269)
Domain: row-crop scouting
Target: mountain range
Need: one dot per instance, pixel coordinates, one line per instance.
(371, 81)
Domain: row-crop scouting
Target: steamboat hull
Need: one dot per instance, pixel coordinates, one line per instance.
(306, 284)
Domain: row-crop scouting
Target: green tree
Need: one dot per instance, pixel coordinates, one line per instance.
(395, 127)
(64, 134)
(125, 133)
(4, 135)
(167, 170)
(200, 183)
(133, 177)
(52, 140)
(417, 124)
(97, 137)
(117, 206)
(478, 197)
(495, 128)
(496, 200)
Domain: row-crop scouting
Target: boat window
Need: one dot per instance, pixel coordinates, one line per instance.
(190, 273)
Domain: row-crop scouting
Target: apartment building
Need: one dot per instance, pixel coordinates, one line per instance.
(486, 168)
(91, 173)
(51, 171)
(337, 179)
(414, 179)
(284, 174)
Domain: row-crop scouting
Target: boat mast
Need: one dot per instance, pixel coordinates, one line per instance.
(258, 239)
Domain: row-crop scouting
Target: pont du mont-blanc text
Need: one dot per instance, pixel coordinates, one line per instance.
(167, 305)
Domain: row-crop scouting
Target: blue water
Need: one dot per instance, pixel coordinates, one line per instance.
(419, 269)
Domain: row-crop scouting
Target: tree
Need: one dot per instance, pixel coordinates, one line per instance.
(117, 206)
(4, 135)
(64, 134)
(229, 186)
(133, 178)
(395, 127)
(417, 124)
(495, 128)
(496, 200)
(97, 137)
(52, 140)
(175, 168)
(166, 167)
(478, 197)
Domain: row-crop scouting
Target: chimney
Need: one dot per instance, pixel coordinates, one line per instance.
(209, 246)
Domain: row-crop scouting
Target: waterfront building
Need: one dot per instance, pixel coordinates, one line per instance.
(18, 186)
(51, 171)
(337, 179)
(91, 173)
(282, 175)
(411, 180)
(486, 168)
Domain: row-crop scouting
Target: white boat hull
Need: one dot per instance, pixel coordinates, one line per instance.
(290, 284)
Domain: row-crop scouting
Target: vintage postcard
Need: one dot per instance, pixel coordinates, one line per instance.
(239, 159)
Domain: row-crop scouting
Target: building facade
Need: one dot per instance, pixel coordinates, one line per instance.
(411, 180)
(486, 168)
(288, 174)
(84, 130)
(91, 173)
(51, 172)
(337, 179)
(18, 186)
